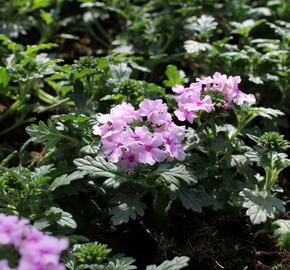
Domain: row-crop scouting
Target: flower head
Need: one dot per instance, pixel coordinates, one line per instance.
(142, 138)
(37, 251)
(197, 97)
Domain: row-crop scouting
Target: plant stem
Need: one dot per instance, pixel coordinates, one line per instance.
(10, 110)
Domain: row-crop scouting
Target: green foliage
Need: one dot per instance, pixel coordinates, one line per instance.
(273, 141)
(125, 51)
(173, 176)
(100, 168)
(261, 205)
(281, 230)
(173, 75)
(278, 267)
(95, 256)
(126, 207)
(10, 254)
(176, 264)
(91, 253)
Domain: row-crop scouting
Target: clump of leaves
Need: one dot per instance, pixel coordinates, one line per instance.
(91, 253)
(278, 267)
(273, 141)
(282, 233)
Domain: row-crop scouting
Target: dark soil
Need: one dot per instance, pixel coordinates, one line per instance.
(215, 244)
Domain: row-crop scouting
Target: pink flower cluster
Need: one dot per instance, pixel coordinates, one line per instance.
(197, 98)
(37, 251)
(147, 135)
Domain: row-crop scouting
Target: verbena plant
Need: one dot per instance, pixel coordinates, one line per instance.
(131, 154)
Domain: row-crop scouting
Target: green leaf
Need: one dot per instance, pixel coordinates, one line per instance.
(127, 207)
(246, 26)
(282, 233)
(172, 176)
(261, 205)
(205, 24)
(33, 49)
(117, 262)
(99, 167)
(66, 179)
(175, 264)
(281, 227)
(193, 47)
(189, 199)
(173, 75)
(4, 79)
(120, 72)
(41, 224)
(41, 174)
(45, 133)
(49, 133)
(62, 218)
(266, 112)
(47, 18)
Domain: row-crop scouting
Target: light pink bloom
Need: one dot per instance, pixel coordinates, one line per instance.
(130, 158)
(108, 129)
(37, 251)
(151, 153)
(124, 113)
(190, 102)
(172, 141)
(114, 146)
(134, 137)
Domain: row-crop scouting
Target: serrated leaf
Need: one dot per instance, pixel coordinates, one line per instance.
(99, 167)
(204, 24)
(44, 133)
(127, 207)
(189, 199)
(116, 264)
(31, 49)
(66, 179)
(261, 205)
(266, 112)
(281, 227)
(173, 176)
(120, 72)
(175, 264)
(62, 218)
(192, 46)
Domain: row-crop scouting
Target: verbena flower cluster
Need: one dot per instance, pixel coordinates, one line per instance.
(198, 96)
(145, 136)
(37, 251)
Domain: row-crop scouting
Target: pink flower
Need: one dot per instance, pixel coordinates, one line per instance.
(172, 141)
(151, 153)
(37, 251)
(183, 114)
(108, 129)
(11, 230)
(130, 158)
(114, 146)
(190, 102)
(4, 265)
(123, 113)
(137, 137)
(155, 111)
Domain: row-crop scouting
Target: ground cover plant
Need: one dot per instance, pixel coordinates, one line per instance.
(144, 135)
